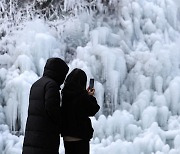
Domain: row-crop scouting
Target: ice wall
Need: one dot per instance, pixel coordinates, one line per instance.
(130, 47)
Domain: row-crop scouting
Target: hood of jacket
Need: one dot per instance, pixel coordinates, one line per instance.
(56, 69)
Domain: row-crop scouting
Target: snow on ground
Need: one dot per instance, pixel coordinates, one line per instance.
(134, 56)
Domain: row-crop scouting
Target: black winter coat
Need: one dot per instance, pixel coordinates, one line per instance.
(76, 110)
(43, 122)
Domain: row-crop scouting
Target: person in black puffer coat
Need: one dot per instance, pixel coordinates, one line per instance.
(44, 116)
(78, 104)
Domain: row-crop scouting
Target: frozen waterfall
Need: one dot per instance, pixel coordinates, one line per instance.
(130, 47)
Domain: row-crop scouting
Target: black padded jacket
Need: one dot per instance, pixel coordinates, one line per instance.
(44, 115)
(76, 110)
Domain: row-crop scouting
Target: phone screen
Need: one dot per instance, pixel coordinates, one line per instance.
(91, 83)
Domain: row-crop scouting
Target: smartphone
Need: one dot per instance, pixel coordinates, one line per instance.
(91, 83)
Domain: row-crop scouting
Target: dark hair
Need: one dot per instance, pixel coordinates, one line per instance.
(75, 82)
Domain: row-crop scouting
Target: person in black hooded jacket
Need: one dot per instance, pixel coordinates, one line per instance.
(44, 116)
(78, 104)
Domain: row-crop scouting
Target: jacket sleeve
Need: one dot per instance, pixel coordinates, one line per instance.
(89, 105)
(52, 102)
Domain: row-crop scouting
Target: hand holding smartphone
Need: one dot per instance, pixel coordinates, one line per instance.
(91, 89)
